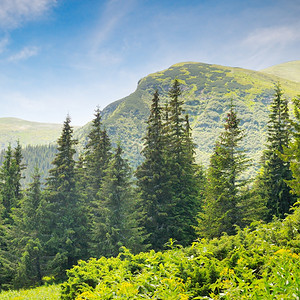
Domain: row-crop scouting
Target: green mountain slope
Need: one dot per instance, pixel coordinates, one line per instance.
(207, 92)
(28, 133)
(289, 70)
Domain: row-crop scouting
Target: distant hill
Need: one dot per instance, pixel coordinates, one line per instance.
(207, 92)
(289, 70)
(37, 140)
(28, 133)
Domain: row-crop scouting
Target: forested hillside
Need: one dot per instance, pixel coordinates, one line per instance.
(207, 93)
(224, 228)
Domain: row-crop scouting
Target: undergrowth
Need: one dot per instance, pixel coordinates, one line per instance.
(260, 262)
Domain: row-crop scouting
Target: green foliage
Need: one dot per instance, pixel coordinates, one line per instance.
(292, 152)
(115, 218)
(260, 262)
(226, 198)
(97, 154)
(275, 171)
(41, 293)
(181, 170)
(26, 234)
(29, 267)
(10, 181)
(40, 156)
(152, 177)
(167, 177)
(64, 217)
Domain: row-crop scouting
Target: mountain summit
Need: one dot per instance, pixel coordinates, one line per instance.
(207, 92)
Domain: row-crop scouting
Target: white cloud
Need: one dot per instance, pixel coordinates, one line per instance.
(24, 54)
(13, 12)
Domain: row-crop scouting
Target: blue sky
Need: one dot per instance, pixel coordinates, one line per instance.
(69, 56)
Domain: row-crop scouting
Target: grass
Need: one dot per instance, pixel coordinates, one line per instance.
(289, 70)
(51, 292)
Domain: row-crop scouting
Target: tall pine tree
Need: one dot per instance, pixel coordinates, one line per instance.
(152, 179)
(96, 157)
(291, 153)
(27, 235)
(181, 171)
(223, 192)
(10, 197)
(115, 222)
(275, 171)
(64, 213)
(10, 177)
(167, 178)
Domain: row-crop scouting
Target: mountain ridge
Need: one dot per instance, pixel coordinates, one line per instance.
(207, 90)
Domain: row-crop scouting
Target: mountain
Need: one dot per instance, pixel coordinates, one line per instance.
(207, 92)
(289, 70)
(28, 133)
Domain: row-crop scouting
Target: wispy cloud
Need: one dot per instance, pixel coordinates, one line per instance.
(264, 46)
(13, 12)
(272, 36)
(110, 19)
(24, 54)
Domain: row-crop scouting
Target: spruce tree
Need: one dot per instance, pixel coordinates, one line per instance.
(223, 192)
(115, 222)
(96, 158)
(26, 236)
(18, 168)
(10, 180)
(291, 153)
(167, 179)
(7, 190)
(275, 171)
(181, 171)
(11, 194)
(152, 179)
(64, 213)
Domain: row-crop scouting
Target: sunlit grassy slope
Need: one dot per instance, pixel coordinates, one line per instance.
(28, 133)
(41, 293)
(289, 70)
(207, 92)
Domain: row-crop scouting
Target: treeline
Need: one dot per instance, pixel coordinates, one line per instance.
(32, 156)
(94, 205)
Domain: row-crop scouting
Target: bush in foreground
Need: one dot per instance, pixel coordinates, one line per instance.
(260, 262)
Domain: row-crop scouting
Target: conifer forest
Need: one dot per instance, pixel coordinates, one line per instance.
(167, 228)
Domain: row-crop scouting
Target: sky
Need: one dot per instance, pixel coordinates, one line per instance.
(60, 57)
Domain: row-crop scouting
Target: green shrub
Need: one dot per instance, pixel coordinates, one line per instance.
(259, 262)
